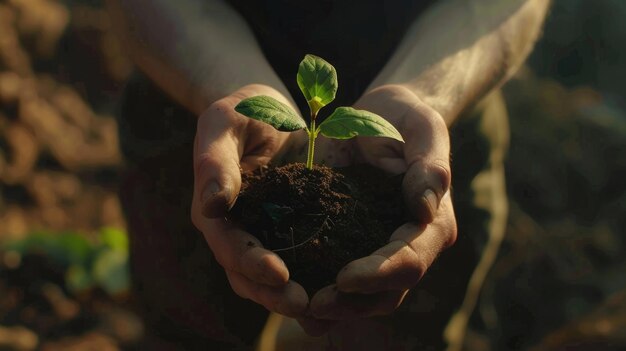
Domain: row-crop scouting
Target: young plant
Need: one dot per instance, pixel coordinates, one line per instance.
(317, 80)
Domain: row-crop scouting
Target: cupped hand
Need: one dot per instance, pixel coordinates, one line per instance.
(226, 144)
(376, 284)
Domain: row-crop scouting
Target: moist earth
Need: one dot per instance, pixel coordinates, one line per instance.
(319, 220)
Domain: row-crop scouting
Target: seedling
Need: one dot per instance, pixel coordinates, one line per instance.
(317, 80)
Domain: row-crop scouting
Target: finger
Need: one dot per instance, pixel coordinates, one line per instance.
(315, 327)
(290, 299)
(427, 154)
(239, 251)
(332, 304)
(423, 187)
(401, 264)
(216, 158)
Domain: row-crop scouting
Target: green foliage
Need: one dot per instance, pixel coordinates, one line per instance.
(346, 123)
(272, 112)
(317, 80)
(63, 248)
(100, 263)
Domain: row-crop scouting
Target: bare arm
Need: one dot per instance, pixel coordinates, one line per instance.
(461, 49)
(197, 51)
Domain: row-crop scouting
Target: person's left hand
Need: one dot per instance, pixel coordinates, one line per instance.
(376, 284)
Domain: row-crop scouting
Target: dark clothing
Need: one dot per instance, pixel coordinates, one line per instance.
(357, 37)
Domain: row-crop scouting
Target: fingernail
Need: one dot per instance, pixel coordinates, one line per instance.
(432, 201)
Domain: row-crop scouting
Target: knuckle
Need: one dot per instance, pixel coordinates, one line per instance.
(410, 268)
(203, 161)
(426, 117)
(436, 121)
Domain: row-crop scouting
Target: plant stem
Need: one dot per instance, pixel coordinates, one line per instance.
(309, 159)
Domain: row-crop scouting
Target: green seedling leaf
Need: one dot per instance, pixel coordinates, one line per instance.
(318, 81)
(271, 111)
(346, 123)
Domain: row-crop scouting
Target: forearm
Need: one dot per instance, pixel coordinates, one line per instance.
(461, 49)
(196, 51)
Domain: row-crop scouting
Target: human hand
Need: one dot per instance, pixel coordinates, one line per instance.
(377, 284)
(227, 143)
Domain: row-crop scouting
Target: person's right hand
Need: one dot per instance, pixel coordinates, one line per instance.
(226, 144)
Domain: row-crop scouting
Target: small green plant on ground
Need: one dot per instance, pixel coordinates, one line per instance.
(102, 262)
(317, 80)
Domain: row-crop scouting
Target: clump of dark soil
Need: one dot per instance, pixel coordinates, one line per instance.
(319, 220)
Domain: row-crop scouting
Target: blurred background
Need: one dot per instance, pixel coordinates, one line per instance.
(560, 275)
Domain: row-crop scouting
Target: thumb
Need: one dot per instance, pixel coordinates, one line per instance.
(427, 153)
(424, 185)
(216, 160)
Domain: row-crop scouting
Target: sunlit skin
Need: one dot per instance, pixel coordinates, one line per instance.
(421, 91)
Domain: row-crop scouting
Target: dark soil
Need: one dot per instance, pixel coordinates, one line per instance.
(319, 220)
(37, 309)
